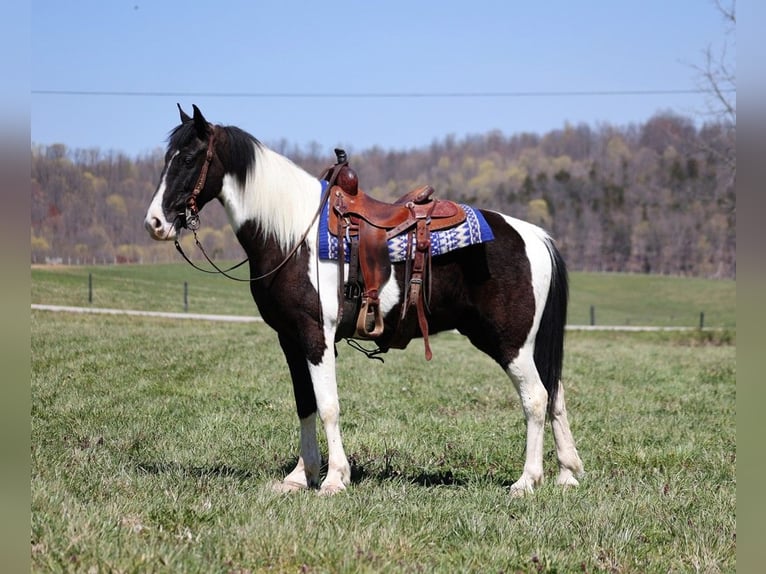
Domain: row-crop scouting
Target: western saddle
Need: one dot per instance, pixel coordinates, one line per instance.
(367, 224)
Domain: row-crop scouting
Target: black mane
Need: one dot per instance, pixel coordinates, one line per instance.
(241, 153)
(181, 135)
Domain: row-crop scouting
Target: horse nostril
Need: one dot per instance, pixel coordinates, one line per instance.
(153, 225)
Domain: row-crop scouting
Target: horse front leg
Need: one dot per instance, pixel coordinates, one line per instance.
(306, 472)
(328, 406)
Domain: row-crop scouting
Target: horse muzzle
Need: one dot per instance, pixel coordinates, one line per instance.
(159, 228)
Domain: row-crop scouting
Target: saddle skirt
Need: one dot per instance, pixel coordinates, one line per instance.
(473, 230)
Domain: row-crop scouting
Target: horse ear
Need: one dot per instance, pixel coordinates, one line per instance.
(184, 116)
(202, 125)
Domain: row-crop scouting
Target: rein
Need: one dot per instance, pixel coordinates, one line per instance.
(192, 223)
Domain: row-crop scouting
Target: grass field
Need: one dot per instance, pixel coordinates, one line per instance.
(154, 443)
(618, 299)
(147, 287)
(623, 299)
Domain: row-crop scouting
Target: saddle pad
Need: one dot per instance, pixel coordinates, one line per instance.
(474, 229)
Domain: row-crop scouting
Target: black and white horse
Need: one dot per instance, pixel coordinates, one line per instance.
(508, 295)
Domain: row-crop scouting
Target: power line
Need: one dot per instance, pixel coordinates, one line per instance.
(374, 95)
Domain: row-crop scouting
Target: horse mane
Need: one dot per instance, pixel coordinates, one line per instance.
(240, 146)
(267, 188)
(180, 135)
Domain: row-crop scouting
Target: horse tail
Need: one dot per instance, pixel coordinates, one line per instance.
(549, 341)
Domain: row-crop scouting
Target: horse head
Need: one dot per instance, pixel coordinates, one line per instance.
(191, 177)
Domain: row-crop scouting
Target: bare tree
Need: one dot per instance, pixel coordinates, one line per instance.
(718, 74)
(717, 77)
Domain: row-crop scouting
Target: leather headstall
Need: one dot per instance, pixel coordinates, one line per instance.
(191, 215)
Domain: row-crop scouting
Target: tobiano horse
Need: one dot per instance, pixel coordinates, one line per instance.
(508, 296)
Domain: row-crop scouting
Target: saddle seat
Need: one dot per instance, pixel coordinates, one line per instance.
(395, 217)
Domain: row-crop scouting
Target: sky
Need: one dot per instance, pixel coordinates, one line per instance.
(396, 74)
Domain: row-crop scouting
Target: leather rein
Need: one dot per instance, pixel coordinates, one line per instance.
(190, 218)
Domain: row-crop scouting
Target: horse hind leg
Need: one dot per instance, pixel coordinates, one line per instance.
(534, 398)
(570, 464)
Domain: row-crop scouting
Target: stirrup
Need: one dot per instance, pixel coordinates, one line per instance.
(361, 323)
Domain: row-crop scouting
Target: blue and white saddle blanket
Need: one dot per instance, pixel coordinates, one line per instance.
(474, 229)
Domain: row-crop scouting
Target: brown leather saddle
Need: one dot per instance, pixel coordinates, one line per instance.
(368, 224)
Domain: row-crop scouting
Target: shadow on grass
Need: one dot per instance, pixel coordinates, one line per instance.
(443, 473)
(375, 471)
(361, 472)
(419, 477)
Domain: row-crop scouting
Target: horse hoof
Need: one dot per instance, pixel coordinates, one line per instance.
(567, 479)
(331, 489)
(287, 487)
(520, 489)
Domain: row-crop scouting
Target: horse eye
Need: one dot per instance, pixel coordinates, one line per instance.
(188, 159)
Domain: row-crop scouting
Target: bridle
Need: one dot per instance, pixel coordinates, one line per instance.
(191, 214)
(190, 217)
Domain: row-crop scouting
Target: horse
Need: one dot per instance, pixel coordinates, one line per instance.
(508, 296)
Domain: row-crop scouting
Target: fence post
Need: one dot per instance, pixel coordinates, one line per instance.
(186, 296)
(702, 320)
(592, 315)
(90, 287)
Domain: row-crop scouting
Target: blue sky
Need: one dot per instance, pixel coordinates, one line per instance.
(317, 71)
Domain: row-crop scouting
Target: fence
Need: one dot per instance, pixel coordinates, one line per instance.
(593, 324)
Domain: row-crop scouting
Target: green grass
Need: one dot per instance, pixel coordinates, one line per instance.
(618, 299)
(146, 287)
(657, 300)
(154, 443)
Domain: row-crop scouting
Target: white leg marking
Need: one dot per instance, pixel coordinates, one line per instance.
(306, 472)
(326, 392)
(570, 464)
(534, 398)
(324, 277)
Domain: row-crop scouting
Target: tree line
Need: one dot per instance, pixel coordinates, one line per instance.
(656, 197)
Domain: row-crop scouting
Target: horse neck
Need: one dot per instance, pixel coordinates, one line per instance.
(277, 195)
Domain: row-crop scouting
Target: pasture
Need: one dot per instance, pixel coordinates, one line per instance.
(154, 443)
(619, 299)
